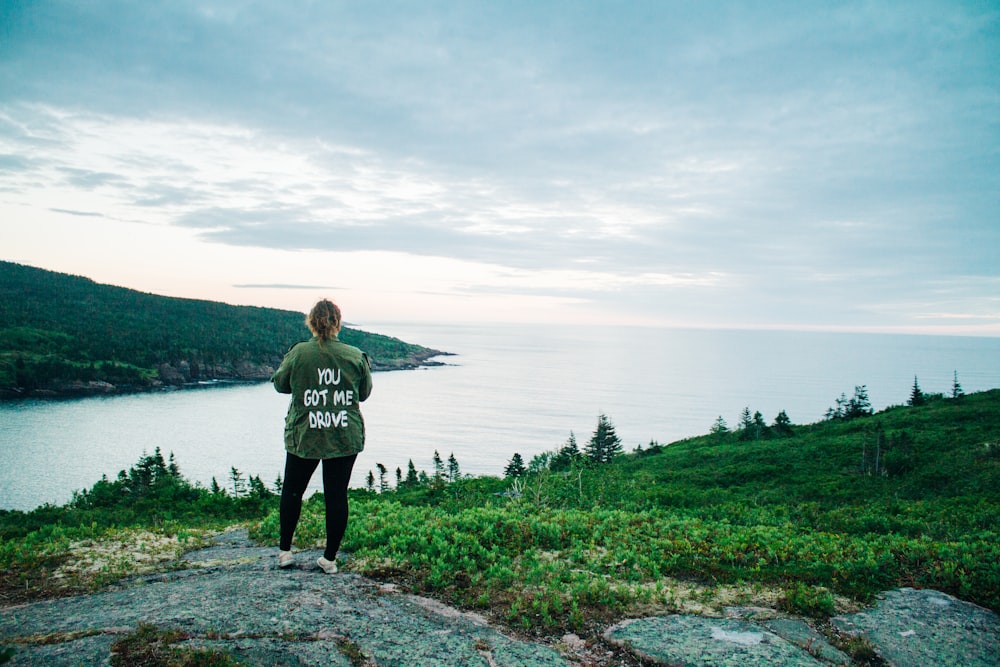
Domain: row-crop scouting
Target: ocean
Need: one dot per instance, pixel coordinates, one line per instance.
(506, 389)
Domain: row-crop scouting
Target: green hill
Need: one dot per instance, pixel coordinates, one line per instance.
(63, 334)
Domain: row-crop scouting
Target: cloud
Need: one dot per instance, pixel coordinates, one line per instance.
(281, 286)
(84, 214)
(759, 158)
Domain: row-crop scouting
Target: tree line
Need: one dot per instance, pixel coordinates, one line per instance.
(152, 491)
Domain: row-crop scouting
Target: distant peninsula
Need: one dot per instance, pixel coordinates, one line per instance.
(63, 335)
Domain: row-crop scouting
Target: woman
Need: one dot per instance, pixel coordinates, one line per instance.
(327, 380)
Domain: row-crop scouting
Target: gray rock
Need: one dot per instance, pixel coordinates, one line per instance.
(697, 640)
(915, 628)
(803, 636)
(234, 598)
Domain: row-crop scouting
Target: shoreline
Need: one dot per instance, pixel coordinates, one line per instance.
(80, 389)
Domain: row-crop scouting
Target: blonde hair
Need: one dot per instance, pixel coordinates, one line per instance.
(324, 319)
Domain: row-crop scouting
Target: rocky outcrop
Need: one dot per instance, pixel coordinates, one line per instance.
(233, 598)
(907, 628)
(420, 360)
(915, 628)
(186, 372)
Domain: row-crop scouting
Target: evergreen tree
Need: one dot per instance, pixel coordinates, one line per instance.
(216, 489)
(956, 388)
(257, 488)
(411, 475)
(173, 469)
(719, 427)
(159, 465)
(399, 477)
(746, 420)
(916, 396)
(604, 444)
(239, 483)
(454, 474)
(570, 448)
(383, 483)
(438, 467)
(760, 429)
(859, 405)
(370, 481)
(841, 402)
(782, 425)
(515, 467)
(567, 455)
(746, 424)
(278, 484)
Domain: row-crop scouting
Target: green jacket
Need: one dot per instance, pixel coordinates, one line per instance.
(327, 381)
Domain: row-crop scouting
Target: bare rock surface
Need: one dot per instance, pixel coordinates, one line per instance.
(916, 628)
(907, 628)
(699, 640)
(234, 598)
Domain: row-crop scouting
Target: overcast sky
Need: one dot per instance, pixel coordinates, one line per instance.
(822, 165)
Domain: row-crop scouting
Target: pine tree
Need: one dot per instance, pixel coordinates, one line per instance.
(859, 405)
(571, 449)
(604, 444)
(399, 477)
(841, 402)
(515, 467)
(719, 427)
(567, 455)
(159, 465)
(454, 474)
(916, 396)
(278, 484)
(239, 483)
(216, 489)
(257, 488)
(746, 424)
(411, 475)
(760, 429)
(956, 388)
(383, 483)
(438, 466)
(782, 425)
(173, 469)
(370, 481)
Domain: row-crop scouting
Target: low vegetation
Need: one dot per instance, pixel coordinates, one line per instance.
(139, 522)
(810, 519)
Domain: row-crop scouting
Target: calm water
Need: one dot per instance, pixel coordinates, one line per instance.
(509, 389)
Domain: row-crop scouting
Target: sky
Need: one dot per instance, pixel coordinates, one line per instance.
(790, 165)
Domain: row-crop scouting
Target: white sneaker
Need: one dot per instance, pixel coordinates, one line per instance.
(328, 566)
(285, 559)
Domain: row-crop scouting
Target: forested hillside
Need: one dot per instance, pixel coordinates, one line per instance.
(62, 334)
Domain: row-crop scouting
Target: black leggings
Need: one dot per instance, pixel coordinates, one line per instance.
(336, 476)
